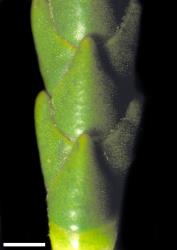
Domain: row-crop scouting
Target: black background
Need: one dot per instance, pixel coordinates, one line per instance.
(149, 218)
(24, 209)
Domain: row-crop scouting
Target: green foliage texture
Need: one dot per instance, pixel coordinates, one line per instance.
(88, 117)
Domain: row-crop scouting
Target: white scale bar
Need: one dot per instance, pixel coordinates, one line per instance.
(5, 244)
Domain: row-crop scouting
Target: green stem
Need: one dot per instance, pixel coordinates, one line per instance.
(85, 138)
